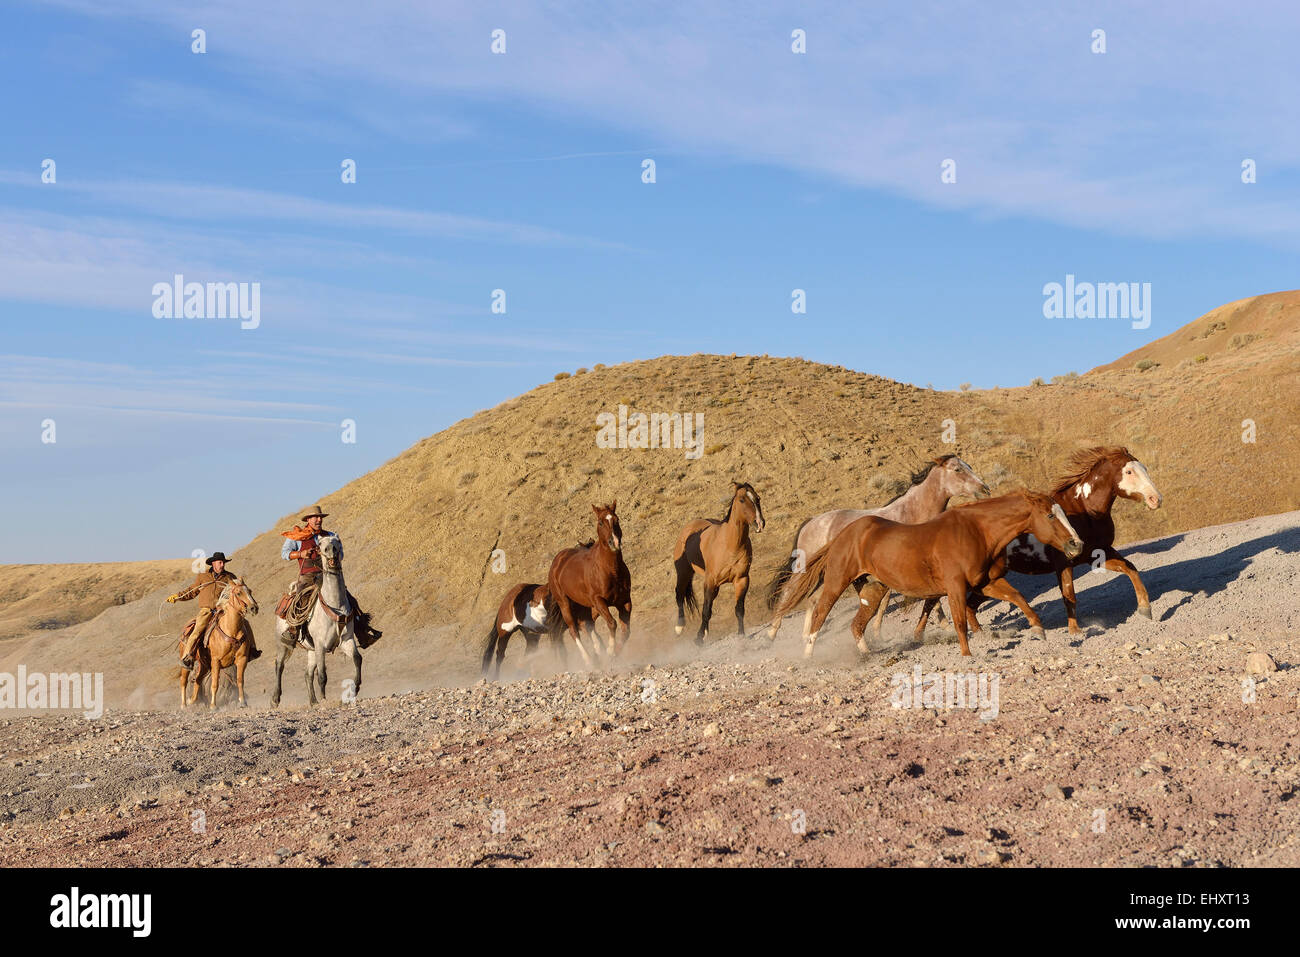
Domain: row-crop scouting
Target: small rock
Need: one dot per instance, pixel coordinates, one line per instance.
(1148, 681)
(1258, 663)
(711, 729)
(1054, 792)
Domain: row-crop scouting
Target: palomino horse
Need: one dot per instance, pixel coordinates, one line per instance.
(596, 578)
(332, 625)
(222, 649)
(948, 555)
(720, 551)
(523, 609)
(942, 480)
(1096, 478)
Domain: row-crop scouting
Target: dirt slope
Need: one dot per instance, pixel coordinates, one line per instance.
(420, 530)
(1135, 744)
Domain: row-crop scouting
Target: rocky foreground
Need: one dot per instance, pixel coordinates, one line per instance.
(1165, 742)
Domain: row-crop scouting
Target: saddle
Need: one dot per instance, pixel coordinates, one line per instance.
(207, 633)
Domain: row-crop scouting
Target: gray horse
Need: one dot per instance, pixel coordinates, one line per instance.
(332, 625)
(945, 478)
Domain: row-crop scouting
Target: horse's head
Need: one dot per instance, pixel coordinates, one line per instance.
(744, 497)
(957, 478)
(239, 596)
(1135, 483)
(1048, 524)
(607, 528)
(331, 553)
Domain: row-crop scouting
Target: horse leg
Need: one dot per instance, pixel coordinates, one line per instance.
(321, 676)
(831, 589)
(216, 678)
(1065, 579)
(625, 619)
(742, 587)
(602, 609)
(353, 651)
(706, 611)
(877, 593)
(311, 675)
(501, 641)
(241, 662)
(1003, 590)
(1118, 563)
(282, 654)
(684, 592)
(919, 633)
(566, 611)
(957, 611)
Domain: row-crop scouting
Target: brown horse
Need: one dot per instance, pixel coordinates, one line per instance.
(720, 551)
(1096, 477)
(219, 649)
(948, 555)
(594, 578)
(942, 480)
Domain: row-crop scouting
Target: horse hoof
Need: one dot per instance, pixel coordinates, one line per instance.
(678, 629)
(1144, 611)
(1038, 631)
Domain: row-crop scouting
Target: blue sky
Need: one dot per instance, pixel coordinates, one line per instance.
(522, 171)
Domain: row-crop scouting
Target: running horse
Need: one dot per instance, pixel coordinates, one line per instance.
(228, 642)
(942, 480)
(591, 579)
(1096, 477)
(959, 550)
(721, 551)
(524, 608)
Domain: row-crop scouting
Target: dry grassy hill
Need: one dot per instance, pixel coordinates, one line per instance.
(419, 531)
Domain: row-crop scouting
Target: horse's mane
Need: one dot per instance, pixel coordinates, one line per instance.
(918, 476)
(1083, 461)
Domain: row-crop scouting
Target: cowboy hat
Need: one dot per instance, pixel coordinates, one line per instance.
(315, 512)
(217, 557)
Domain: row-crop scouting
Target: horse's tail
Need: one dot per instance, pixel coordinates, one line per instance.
(492, 637)
(801, 586)
(685, 589)
(782, 573)
(554, 620)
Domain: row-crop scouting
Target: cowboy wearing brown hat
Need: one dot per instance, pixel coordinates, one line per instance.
(207, 588)
(302, 543)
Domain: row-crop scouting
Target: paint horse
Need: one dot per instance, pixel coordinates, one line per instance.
(524, 609)
(959, 550)
(719, 550)
(1096, 477)
(229, 641)
(942, 480)
(589, 580)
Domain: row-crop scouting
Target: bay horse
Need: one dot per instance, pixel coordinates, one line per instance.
(1095, 478)
(948, 555)
(229, 641)
(942, 480)
(721, 551)
(524, 608)
(332, 625)
(593, 578)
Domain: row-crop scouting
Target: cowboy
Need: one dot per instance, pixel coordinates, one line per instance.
(302, 544)
(207, 588)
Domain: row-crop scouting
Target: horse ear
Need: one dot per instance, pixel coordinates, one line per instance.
(613, 506)
(596, 509)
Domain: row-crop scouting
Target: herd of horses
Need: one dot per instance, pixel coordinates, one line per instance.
(915, 546)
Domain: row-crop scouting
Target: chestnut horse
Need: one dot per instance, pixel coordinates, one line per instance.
(948, 555)
(593, 578)
(720, 551)
(942, 480)
(1096, 477)
(221, 649)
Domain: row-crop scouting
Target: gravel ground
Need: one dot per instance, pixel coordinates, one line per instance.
(1138, 743)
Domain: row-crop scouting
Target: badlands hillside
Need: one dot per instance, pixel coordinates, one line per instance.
(421, 530)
